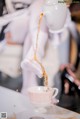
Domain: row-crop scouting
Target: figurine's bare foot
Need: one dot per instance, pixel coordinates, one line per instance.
(33, 66)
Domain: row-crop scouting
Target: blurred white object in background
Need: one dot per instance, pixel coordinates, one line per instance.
(10, 60)
(2, 45)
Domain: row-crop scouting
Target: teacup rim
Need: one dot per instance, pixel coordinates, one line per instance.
(32, 91)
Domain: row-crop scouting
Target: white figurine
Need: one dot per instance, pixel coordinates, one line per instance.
(56, 38)
(31, 66)
(24, 29)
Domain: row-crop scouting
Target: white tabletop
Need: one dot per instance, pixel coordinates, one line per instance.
(14, 102)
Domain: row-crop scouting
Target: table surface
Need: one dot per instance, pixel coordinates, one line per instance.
(14, 102)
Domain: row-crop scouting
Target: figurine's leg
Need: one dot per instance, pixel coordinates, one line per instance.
(29, 79)
(26, 46)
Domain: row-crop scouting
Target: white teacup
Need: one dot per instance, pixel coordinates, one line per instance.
(41, 96)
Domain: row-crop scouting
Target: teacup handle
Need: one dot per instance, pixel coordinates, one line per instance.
(55, 92)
